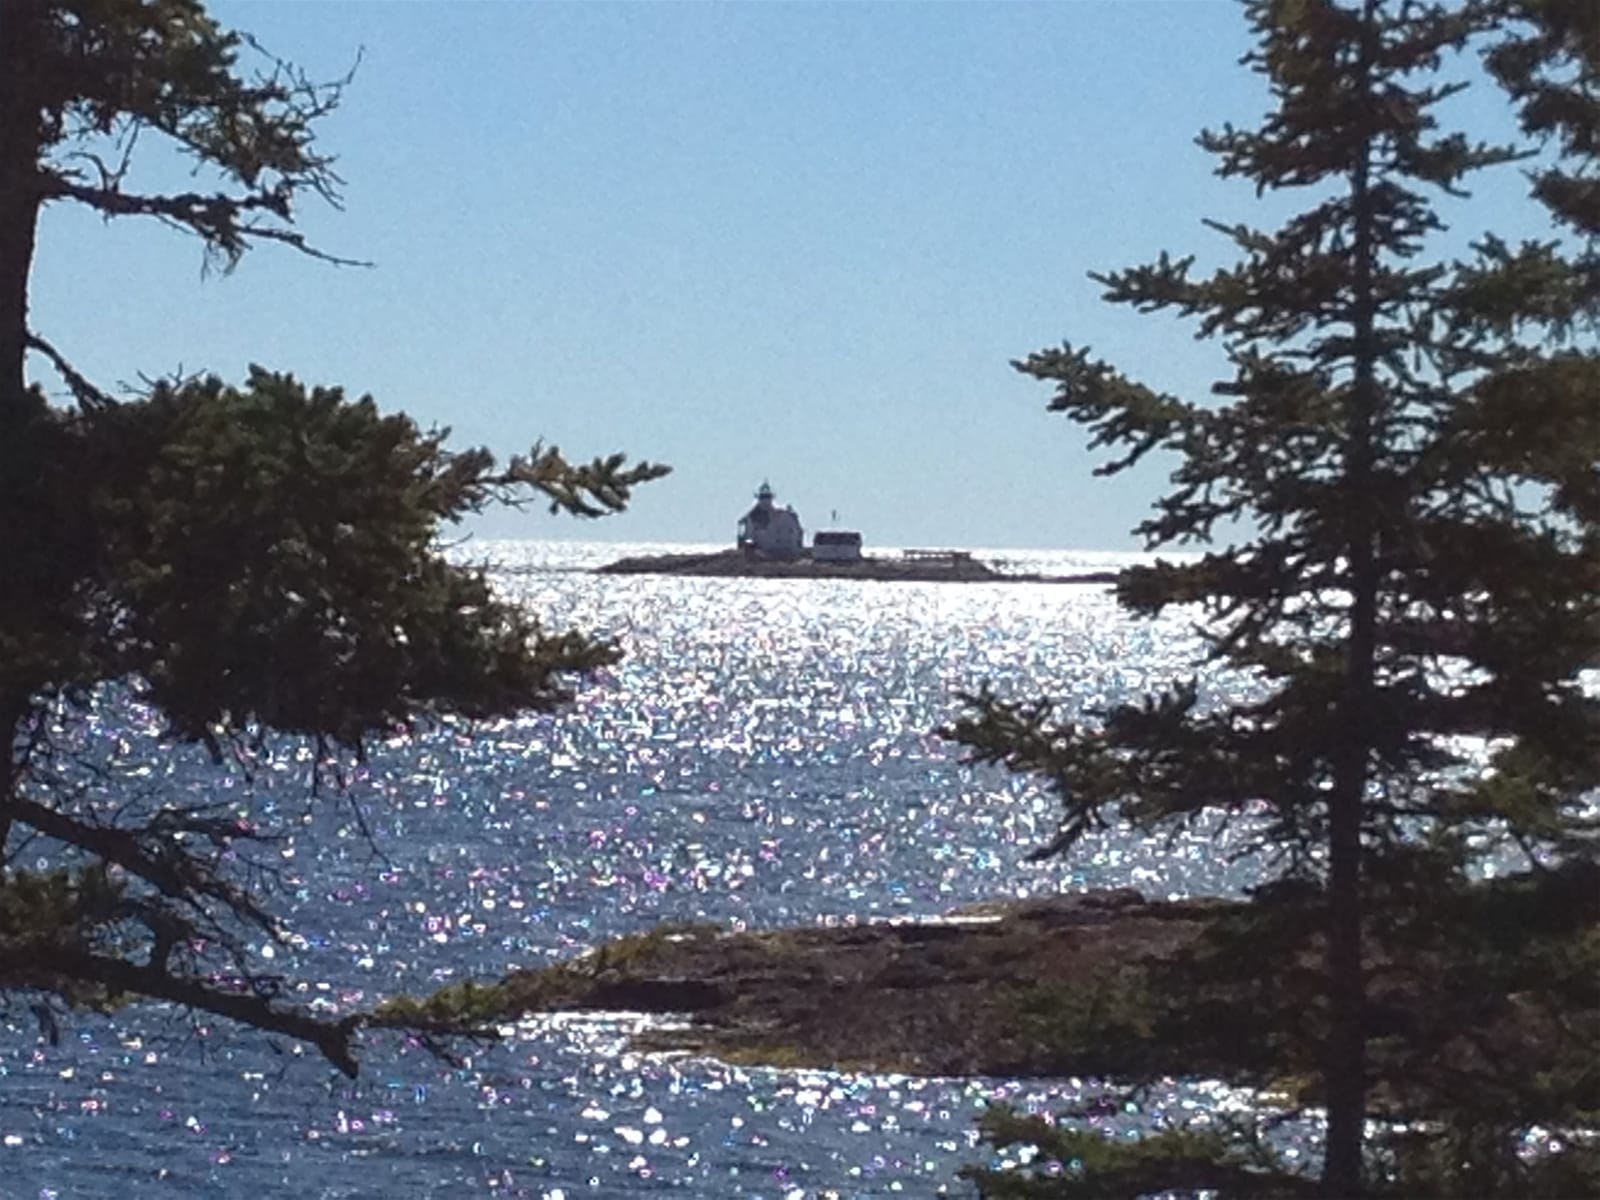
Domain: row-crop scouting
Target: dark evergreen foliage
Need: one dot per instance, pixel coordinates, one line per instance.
(1405, 452)
(248, 560)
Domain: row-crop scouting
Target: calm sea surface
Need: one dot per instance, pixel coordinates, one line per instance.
(763, 756)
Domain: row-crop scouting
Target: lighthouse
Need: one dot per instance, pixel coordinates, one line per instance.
(770, 531)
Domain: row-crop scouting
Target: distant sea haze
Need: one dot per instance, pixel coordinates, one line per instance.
(762, 756)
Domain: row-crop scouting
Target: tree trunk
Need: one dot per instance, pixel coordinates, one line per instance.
(12, 711)
(1345, 1065)
(1345, 1062)
(21, 139)
(21, 142)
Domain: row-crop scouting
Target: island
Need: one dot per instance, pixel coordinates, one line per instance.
(770, 544)
(911, 566)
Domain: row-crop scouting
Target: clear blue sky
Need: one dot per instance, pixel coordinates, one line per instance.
(797, 242)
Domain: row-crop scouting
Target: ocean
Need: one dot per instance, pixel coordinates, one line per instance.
(764, 755)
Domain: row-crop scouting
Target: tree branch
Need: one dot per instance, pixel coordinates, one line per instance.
(174, 874)
(215, 217)
(89, 397)
(46, 964)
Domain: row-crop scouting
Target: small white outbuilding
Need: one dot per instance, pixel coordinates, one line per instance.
(836, 545)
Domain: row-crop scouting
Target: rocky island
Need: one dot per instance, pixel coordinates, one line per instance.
(770, 544)
(948, 566)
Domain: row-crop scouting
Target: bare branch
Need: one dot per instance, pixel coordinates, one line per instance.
(89, 397)
(215, 217)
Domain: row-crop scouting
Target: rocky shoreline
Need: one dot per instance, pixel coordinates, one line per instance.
(938, 997)
(1103, 984)
(954, 568)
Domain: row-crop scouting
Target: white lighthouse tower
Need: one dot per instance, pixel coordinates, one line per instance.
(770, 531)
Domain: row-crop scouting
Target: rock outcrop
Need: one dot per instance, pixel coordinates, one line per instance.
(930, 997)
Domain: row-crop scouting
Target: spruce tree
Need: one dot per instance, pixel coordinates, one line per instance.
(1403, 461)
(246, 560)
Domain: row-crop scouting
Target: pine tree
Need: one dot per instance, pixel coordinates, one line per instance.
(1406, 459)
(248, 561)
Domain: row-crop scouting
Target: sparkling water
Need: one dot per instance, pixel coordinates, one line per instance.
(764, 755)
